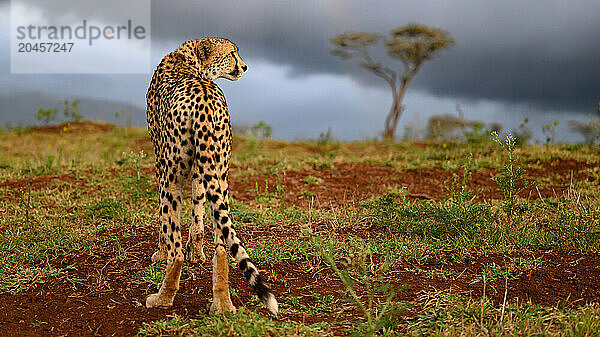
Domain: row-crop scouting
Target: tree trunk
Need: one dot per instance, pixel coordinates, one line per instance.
(392, 116)
(391, 121)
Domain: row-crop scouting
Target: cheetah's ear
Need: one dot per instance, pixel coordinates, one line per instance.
(203, 49)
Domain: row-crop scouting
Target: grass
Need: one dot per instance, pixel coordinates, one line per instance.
(510, 270)
(244, 323)
(451, 315)
(321, 306)
(72, 196)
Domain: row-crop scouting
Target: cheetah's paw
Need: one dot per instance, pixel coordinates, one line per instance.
(159, 255)
(222, 306)
(195, 255)
(157, 301)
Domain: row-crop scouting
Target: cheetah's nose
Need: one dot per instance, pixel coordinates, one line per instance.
(244, 67)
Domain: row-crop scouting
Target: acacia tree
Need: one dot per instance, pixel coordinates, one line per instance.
(412, 44)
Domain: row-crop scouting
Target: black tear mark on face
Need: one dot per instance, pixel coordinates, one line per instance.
(236, 70)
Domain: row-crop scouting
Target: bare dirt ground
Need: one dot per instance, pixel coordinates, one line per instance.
(113, 305)
(349, 183)
(106, 298)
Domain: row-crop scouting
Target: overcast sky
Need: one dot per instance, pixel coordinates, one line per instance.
(512, 60)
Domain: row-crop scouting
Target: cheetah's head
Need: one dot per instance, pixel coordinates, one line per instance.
(219, 58)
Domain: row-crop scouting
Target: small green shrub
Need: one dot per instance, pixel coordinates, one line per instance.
(46, 115)
(325, 138)
(356, 267)
(71, 110)
(312, 180)
(549, 130)
(457, 215)
(261, 130)
(523, 134)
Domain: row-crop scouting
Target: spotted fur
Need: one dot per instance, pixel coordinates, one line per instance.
(189, 126)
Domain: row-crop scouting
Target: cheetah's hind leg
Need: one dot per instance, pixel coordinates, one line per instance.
(169, 210)
(194, 252)
(161, 253)
(221, 299)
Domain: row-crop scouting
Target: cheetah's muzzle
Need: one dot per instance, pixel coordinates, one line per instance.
(235, 73)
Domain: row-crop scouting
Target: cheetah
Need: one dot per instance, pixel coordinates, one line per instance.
(189, 126)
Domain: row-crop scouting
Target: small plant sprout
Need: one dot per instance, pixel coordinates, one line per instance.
(511, 181)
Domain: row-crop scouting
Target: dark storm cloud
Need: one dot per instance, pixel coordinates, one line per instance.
(544, 54)
(293, 33)
(538, 52)
(535, 52)
(571, 84)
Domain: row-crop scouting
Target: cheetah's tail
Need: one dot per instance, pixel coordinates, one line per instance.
(251, 273)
